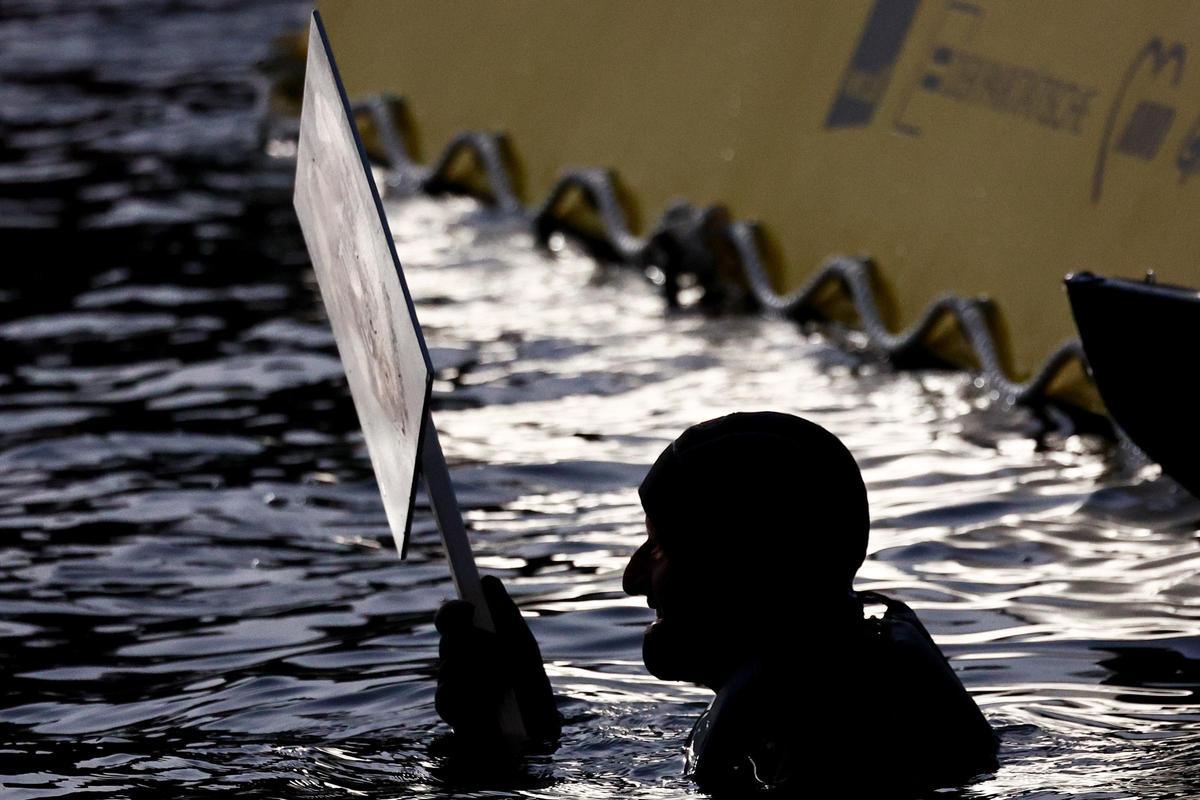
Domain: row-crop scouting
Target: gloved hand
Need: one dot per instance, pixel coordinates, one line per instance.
(477, 668)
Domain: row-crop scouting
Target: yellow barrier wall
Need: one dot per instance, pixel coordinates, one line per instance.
(981, 148)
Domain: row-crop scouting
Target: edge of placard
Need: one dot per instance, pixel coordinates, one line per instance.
(381, 217)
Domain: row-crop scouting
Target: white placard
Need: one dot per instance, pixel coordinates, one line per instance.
(362, 284)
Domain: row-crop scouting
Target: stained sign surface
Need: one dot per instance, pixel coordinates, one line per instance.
(378, 336)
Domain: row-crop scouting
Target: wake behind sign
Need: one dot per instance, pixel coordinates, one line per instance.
(375, 324)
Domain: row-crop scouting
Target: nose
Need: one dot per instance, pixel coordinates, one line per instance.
(636, 579)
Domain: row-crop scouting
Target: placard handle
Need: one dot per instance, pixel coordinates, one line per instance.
(462, 561)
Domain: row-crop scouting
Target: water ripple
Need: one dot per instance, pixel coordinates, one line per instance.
(198, 589)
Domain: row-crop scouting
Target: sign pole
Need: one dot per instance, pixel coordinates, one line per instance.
(462, 561)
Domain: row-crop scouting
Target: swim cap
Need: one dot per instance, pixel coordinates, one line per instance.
(760, 494)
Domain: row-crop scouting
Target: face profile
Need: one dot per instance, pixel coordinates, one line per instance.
(674, 647)
(737, 509)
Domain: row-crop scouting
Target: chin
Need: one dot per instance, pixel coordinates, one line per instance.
(670, 654)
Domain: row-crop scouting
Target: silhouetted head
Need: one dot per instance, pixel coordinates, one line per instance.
(752, 520)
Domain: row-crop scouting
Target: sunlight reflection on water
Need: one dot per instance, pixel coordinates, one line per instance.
(197, 585)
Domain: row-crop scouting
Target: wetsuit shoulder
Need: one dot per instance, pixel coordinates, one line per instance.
(928, 710)
(785, 724)
(735, 746)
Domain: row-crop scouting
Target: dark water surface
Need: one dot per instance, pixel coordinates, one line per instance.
(197, 587)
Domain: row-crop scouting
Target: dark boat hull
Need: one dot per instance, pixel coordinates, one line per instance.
(1139, 339)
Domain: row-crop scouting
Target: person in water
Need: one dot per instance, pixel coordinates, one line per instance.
(756, 524)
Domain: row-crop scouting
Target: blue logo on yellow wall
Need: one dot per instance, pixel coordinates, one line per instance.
(870, 69)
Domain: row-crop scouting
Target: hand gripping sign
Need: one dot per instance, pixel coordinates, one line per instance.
(375, 325)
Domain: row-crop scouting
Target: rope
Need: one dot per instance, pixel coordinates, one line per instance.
(686, 241)
(487, 150)
(971, 315)
(598, 187)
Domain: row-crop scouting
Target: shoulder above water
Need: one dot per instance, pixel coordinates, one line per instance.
(883, 693)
